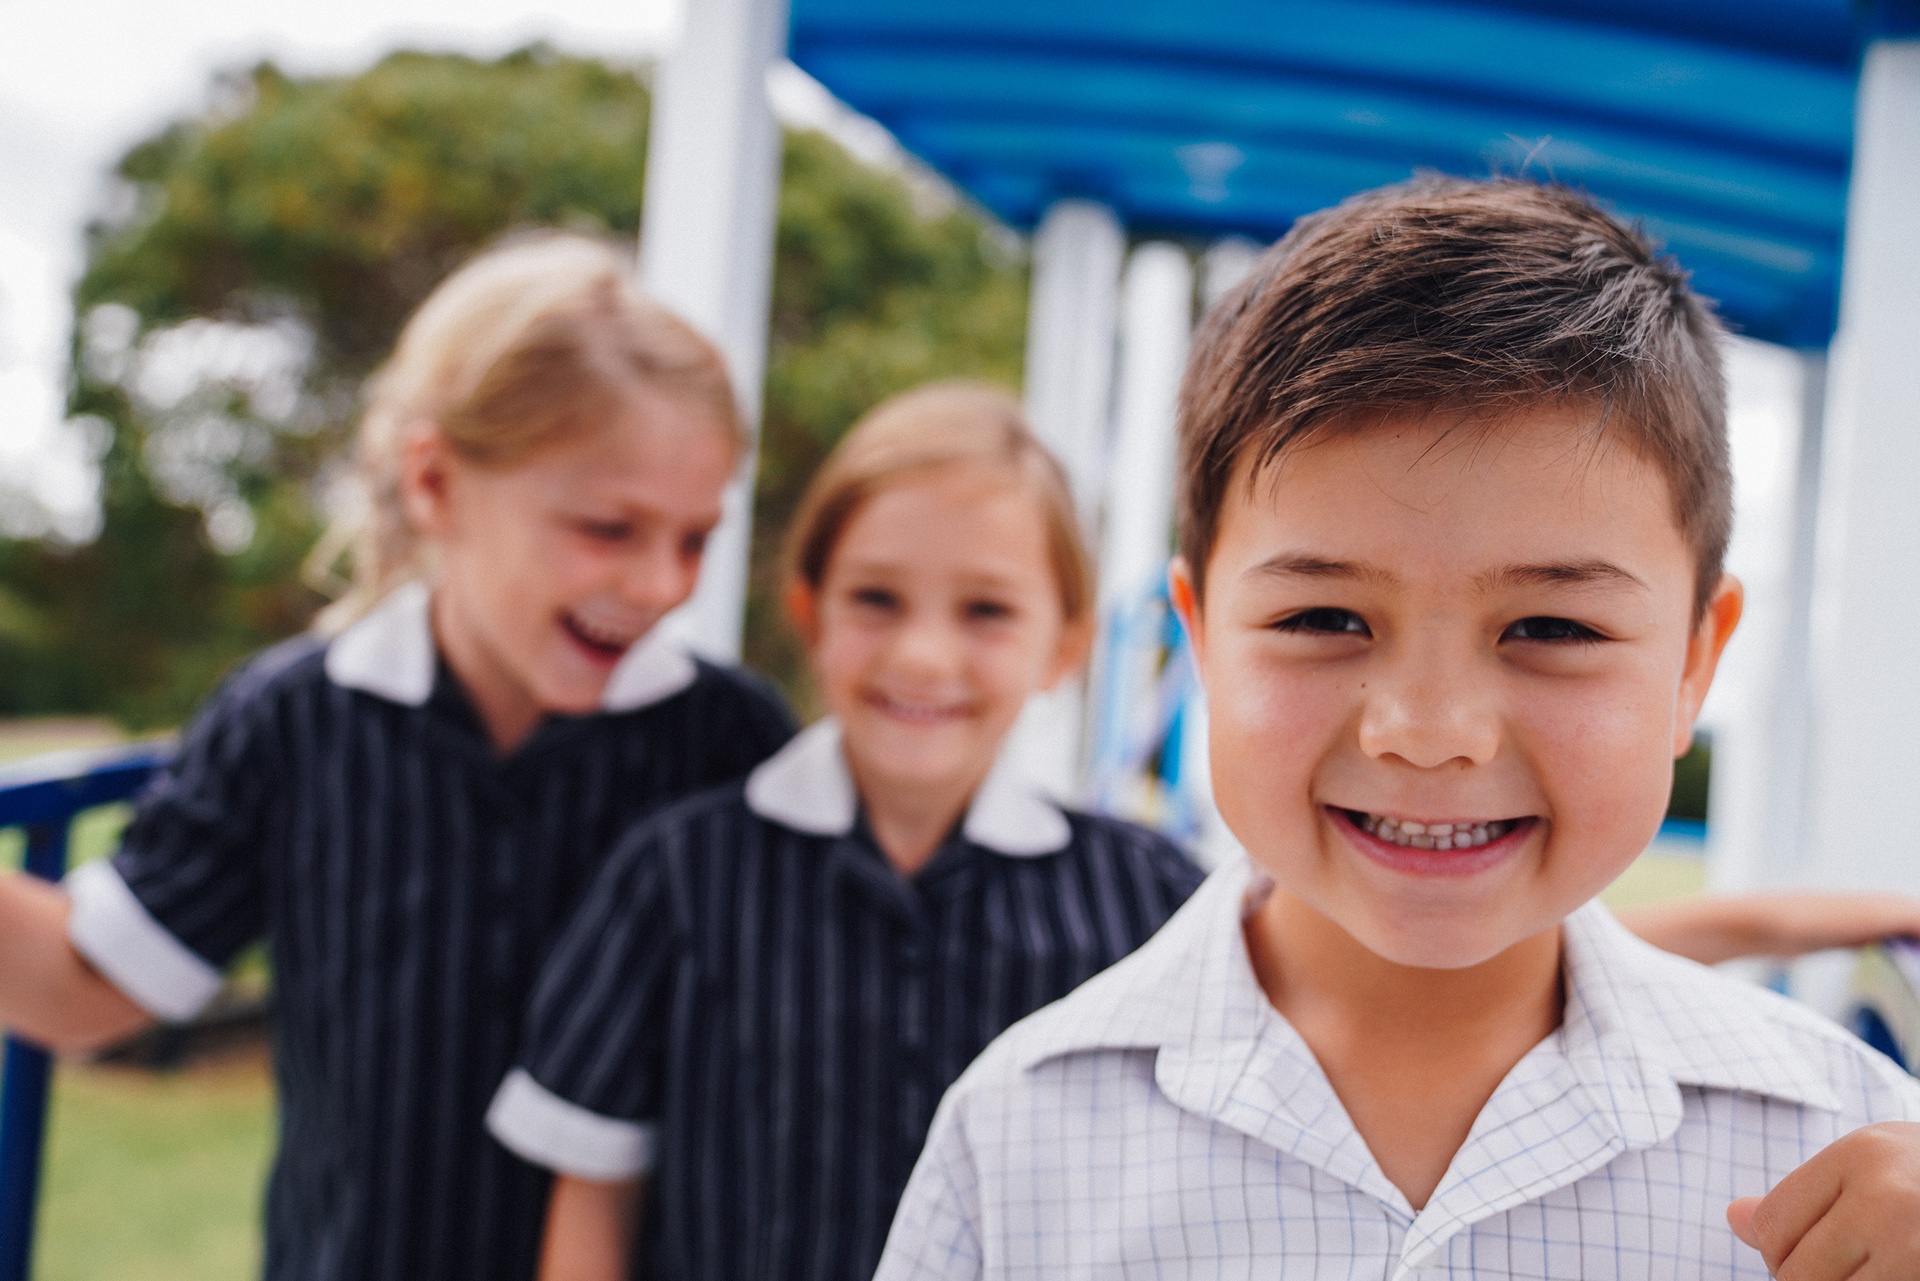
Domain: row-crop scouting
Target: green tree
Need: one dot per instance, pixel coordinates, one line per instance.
(259, 262)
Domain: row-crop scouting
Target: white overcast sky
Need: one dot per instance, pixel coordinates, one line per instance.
(80, 80)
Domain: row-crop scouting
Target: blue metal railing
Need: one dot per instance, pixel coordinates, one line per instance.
(44, 796)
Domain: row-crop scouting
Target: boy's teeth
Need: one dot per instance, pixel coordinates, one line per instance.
(1435, 836)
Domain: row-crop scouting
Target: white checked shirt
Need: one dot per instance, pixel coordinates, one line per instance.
(1165, 1121)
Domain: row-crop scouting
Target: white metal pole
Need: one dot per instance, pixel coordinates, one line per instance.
(1757, 714)
(1156, 320)
(1866, 693)
(706, 245)
(1077, 252)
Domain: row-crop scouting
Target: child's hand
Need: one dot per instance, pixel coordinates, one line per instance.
(1711, 930)
(1853, 1211)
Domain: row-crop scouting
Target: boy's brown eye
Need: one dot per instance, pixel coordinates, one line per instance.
(1324, 621)
(1551, 631)
(874, 597)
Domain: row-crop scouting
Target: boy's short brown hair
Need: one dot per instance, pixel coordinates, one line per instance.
(1462, 299)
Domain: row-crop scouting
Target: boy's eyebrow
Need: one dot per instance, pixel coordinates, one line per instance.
(1305, 565)
(1568, 573)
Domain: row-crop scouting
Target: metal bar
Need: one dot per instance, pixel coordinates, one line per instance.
(44, 795)
(23, 1095)
(55, 787)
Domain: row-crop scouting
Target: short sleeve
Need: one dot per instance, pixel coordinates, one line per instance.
(184, 892)
(585, 1097)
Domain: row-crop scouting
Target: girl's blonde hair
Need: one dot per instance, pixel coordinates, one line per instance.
(935, 427)
(543, 337)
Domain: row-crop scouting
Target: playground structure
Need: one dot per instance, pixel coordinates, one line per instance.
(1151, 146)
(44, 796)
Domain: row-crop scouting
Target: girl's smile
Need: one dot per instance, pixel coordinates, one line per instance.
(552, 568)
(604, 631)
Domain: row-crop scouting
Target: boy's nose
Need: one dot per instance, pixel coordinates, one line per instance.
(1429, 716)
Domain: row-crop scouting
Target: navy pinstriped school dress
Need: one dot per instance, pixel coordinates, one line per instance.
(344, 802)
(758, 1012)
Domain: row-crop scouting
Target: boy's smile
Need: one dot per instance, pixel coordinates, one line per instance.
(1448, 672)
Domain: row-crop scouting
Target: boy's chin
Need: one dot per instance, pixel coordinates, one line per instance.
(1454, 940)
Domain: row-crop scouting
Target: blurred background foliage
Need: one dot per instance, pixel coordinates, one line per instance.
(255, 262)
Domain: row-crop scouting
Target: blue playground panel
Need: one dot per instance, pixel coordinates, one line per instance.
(44, 796)
(1725, 126)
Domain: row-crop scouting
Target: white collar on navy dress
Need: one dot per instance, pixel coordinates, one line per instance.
(390, 654)
(806, 786)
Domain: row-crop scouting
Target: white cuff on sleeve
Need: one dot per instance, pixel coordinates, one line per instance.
(538, 1125)
(112, 928)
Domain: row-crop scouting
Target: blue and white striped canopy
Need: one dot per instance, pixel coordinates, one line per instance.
(1725, 126)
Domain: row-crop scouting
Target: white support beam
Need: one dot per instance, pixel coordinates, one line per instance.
(1866, 693)
(1757, 713)
(1156, 321)
(706, 245)
(1077, 252)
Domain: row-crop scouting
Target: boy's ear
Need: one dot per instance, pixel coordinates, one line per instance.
(425, 477)
(1709, 641)
(803, 609)
(1185, 595)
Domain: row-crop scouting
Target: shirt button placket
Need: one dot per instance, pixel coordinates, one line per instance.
(916, 1092)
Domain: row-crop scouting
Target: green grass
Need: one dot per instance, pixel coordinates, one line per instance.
(20, 739)
(156, 1177)
(1655, 877)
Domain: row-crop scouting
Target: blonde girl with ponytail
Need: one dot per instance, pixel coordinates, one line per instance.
(404, 803)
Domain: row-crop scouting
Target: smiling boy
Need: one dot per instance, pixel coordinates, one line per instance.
(1455, 495)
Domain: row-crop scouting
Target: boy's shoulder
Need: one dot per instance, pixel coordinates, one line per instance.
(1710, 1031)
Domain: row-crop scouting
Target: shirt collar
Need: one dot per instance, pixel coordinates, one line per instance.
(1633, 1011)
(806, 786)
(1639, 1024)
(390, 654)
